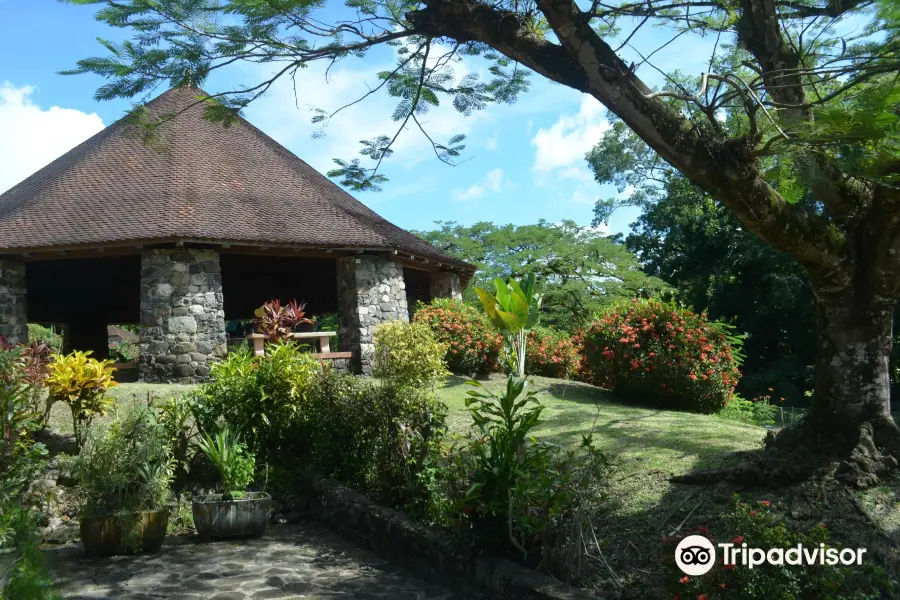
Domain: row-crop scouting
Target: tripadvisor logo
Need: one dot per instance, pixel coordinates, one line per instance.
(696, 555)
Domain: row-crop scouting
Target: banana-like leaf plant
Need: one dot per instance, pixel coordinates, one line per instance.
(514, 310)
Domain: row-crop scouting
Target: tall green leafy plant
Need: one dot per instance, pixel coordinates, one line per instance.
(230, 456)
(502, 455)
(125, 466)
(514, 310)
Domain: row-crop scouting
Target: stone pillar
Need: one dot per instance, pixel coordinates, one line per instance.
(445, 284)
(13, 315)
(182, 315)
(370, 291)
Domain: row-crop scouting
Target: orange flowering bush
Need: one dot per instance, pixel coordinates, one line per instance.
(655, 353)
(473, 345)
(551, 353)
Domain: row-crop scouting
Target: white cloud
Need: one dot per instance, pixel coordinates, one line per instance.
(565, 143)
(277, 114)
(494, 182)
(492, 143)
(33, 136)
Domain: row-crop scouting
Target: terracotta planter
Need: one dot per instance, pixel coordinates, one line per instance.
(216, 518)
(124, 534)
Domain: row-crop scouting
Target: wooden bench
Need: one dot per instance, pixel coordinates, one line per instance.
(321, 340)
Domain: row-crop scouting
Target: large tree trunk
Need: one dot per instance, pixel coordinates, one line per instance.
(850, 416)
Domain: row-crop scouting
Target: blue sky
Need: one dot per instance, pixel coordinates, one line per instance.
(523, 162)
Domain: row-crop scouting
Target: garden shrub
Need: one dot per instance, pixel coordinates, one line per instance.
(125, 465)
(22, 460)
(376, 438)
(551, 353)
(759, 527)
(472, 343)
(408, 355)
(520, 496)
(259, 396)
(81, 382)
(660, 354)
(758, 411)
(39, 333)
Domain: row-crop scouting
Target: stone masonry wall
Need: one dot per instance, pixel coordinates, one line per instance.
(182, 316)
(13, 317)
(445, 285)
(370, 291)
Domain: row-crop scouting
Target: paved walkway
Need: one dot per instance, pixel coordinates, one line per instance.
(291, 561)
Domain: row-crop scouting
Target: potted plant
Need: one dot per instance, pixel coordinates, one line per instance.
(235, 512)
(124, 470)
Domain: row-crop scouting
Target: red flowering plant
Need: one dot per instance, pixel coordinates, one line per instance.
(473, 345)
(651, 352)
(278, 322)
(759, 526)
(551, 353)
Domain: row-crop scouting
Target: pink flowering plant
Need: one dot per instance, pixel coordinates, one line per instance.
(651, 352)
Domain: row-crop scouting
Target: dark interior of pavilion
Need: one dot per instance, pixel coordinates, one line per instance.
(80, 298)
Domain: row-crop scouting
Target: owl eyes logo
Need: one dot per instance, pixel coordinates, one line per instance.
(695, 555)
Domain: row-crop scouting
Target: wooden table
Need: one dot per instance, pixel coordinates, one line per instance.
(321, 341)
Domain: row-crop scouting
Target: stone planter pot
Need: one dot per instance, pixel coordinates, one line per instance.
(216, 518)
(124, 534)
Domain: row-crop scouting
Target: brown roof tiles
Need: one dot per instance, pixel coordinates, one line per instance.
(196, 180)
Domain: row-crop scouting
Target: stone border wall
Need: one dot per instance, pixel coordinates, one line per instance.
(396, 537)
(13, 314)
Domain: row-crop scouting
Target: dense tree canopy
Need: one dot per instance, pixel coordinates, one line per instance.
(789, 106)
(580, 269)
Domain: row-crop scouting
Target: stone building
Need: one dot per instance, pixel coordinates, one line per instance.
(194, 225)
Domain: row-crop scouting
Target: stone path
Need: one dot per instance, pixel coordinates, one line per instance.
(301, 560)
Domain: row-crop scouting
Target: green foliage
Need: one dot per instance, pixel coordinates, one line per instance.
(505, 422)
(176, 416)
(408, 355)
(551, 353)
(514, 491)
(230, 456)
(40, 333)
(472, 344)
(377, 438)
(22, 460)
(81, 382)
(513, 311)
(759, 526)
(758, 411)
(25, 576)
(660, 354)
(125, 465)
(581, 270)
(259, 396)
(329, 322)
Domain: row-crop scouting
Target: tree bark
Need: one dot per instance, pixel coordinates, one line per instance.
(850, 415)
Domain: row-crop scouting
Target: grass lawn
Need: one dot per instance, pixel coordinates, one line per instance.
(648, 446)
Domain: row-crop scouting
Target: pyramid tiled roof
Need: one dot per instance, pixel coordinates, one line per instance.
(193, 181)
